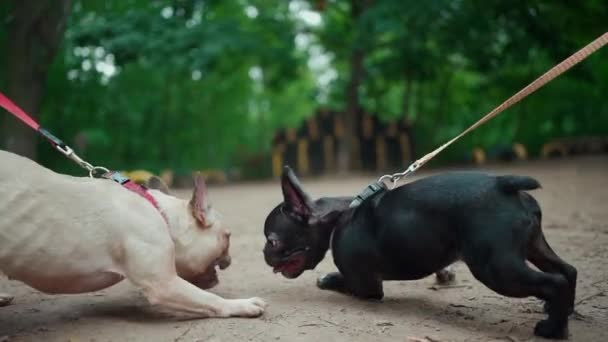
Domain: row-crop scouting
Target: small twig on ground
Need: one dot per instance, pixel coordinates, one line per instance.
(599, 281)
(507, 337)
(256, 335)
(311, 325)
(461, 306)
(444, 287)
(584, 299)
(431, 339)
(579, 317)
(344, 327)
(416, 339)
(184, 333)
(334, 324)
(384, 324)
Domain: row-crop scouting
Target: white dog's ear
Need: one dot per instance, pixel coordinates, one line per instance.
(199, 202)
(156, 183)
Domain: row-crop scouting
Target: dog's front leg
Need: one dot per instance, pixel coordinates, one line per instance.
(359, 286)
(333, 281)
(152, 268)
(179, 295)
(5, 299)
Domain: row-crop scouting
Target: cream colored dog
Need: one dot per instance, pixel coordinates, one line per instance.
(62, 234)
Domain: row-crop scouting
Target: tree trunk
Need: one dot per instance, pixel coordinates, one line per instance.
(35, 31)
(407, 91)
(349, 116)
(444, 85)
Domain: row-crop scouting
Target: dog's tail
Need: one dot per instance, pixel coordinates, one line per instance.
(513, 184)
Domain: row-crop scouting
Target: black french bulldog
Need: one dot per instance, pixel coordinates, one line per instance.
(418, 229)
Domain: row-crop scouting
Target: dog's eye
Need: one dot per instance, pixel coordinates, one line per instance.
(273, 243)
(273, 240)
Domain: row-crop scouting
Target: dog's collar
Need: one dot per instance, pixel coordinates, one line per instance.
(368, 192)
(136, 188)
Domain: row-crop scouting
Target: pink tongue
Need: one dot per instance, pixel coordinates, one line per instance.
(282, 267)
(287, 266)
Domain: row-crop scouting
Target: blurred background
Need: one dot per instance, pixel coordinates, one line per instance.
(239, 88)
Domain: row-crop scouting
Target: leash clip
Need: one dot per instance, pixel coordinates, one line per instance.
(94, 171)
(395, 177)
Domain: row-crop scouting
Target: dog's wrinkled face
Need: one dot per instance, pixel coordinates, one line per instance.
(202, 244)
(297, 233)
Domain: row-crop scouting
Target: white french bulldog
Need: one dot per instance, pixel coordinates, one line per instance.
(63, 234)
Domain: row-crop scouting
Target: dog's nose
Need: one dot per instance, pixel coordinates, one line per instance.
(224, 262)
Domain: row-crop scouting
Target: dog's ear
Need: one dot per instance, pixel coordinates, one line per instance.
(296, 200)
(156, 183)
(199, 202)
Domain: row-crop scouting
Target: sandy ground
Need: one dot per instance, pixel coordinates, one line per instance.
(575, 204)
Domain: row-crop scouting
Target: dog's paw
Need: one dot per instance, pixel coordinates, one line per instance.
(550, 328)
(332, 281)
(252, 307)
(5, 299)
(445, 276)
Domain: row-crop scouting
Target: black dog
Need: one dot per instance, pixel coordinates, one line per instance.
(413, 231)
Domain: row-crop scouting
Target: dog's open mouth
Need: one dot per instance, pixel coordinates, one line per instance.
(209, 279)
(292, 265)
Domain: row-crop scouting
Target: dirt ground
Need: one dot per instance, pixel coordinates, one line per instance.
(575, 203)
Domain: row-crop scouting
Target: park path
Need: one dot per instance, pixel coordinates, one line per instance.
(575, 203)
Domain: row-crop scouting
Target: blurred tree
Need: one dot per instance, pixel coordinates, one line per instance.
(443, 64)
(349, 114)
(178, 84)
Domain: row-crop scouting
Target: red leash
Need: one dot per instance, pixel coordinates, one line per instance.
(128, 184)
(16, 111)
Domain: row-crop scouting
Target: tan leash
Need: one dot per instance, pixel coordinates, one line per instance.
(532, 87)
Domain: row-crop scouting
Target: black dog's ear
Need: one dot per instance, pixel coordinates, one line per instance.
(295, 198)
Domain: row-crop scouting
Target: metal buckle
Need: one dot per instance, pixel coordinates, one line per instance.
(98, 171)
(94, 171)
(395, 177)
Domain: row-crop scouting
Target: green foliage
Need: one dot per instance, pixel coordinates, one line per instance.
(444, 64)
(183, 96)
(192, 84)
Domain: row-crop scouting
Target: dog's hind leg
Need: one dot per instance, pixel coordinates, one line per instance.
(5, 299)
(510, 276)
(542, 256)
